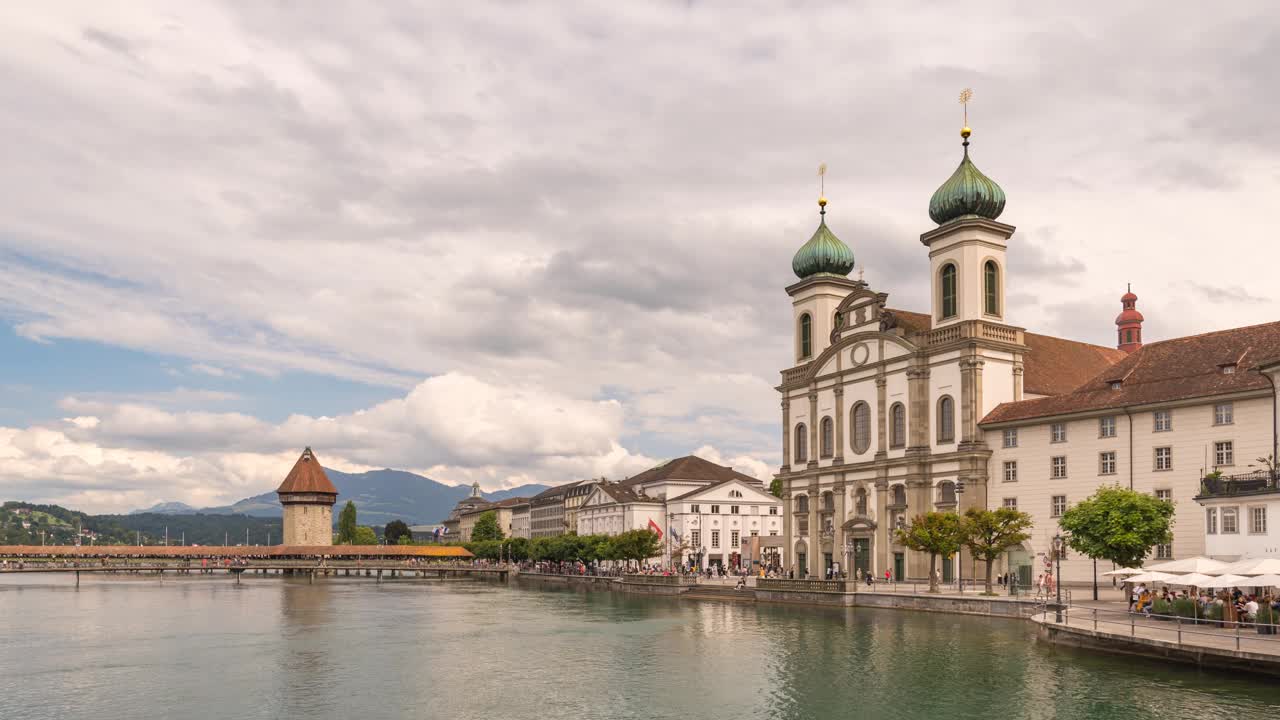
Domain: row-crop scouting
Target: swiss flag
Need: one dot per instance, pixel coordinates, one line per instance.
(654, 527)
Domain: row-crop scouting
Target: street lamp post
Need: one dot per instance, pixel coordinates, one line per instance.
(959, 560)
(1057, 583)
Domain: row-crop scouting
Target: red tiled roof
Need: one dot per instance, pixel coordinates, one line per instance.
(1178, 369)
(307, 477)
(1051, 365)
(689, 467)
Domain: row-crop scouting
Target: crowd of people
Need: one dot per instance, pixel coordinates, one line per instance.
(1232, 605)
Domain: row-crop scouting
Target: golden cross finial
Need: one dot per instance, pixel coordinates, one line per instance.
(822, 181)
(965, 96)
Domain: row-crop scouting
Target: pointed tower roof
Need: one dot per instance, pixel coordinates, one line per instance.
(307, 477)
(824, 253)
(967, 193)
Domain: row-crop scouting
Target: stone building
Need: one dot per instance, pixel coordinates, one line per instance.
(307, 497)
(888, 414)
(546, 512)
(701, 509)
(504, 510)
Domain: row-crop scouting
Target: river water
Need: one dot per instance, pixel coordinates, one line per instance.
(353, 649)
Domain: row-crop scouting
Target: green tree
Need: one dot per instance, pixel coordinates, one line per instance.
(519, 549)
(637, 545)
(395, 530)
(1119, 525)
(486, 527)
(775, 487)
(347, 524)
(990, 533)
(365, 535)
(935, 533)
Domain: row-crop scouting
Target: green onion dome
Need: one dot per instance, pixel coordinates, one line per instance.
(966, 193)
(824, 253)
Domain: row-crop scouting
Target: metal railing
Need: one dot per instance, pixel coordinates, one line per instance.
(1232, 633)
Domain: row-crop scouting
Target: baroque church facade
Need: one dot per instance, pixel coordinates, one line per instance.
(881, 410)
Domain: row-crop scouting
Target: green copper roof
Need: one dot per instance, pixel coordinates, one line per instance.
(966, 192)
(824, 253)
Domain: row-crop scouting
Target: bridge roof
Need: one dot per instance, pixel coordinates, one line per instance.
(204, 551)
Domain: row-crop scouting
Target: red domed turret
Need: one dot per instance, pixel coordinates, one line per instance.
(1129, 323)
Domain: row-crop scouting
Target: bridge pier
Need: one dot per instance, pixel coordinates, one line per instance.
(77, 578)
(311, 577)
(348, 571)
(379, 575)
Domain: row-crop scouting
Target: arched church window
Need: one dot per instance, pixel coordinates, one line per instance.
(860, 501)
(947, 493)
(806, 336)
(946, 419)
(828, 433)
(860, 425)
(802, 443)
(899, 495)
(898, 425)
(947, 291)
(991, 287)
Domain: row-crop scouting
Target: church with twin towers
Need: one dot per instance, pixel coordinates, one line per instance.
(888, 414)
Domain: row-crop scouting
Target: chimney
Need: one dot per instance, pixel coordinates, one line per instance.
(1129, 323)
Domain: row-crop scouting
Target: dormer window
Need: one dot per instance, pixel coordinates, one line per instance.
(1117, 384)
(1228, 368)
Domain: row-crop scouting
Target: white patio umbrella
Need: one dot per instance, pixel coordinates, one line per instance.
(1228, 581)
(1123, 571)
(1272, 580)
(1197, 564)
(1151, 577)
(1253, 566)
(1191, 580)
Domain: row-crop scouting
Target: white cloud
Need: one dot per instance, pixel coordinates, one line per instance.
(453, 428)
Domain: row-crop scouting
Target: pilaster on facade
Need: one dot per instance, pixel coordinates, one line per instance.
(839, 438)
(813, 429)
(786, 434)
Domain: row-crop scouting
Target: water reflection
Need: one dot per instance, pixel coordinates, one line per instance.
(347, 647)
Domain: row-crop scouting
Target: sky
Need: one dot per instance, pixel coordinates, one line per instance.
(538, 242)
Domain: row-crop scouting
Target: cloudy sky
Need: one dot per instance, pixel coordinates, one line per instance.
(537, 242)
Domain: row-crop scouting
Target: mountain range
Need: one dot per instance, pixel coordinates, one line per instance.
(380, 497)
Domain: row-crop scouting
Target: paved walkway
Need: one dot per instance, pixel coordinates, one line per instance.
(1102, 617)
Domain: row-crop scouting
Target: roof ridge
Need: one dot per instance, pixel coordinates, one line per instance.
(1211, 332)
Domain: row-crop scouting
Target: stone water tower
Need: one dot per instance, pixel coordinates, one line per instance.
(308, 497)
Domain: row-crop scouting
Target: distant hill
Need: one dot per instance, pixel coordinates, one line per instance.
(199, 528)
(380, 497)
(167, 508)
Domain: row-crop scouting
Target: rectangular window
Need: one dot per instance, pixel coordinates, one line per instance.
(1058, 506)
(1107, 427)
(695, 538)
(1011, 503)
(715, 509)
(773, 509)
(715, 538)
(1163, 420)
(1164, 552)
(733, 509)
(1165, 495)
(1223, 414)
(695, 509)
(1011, 471)
(1107, 463)
(734, 539)
(1058, 432)
(1258, 521)
(1211, 521)
(1164, 458)
(755, 533)
(1230, 526)
(1224, 453)
(1011, 438)
(773, 533)
(1058, 466)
